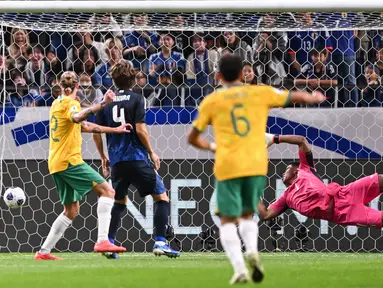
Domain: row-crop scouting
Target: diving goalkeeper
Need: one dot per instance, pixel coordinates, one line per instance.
(308, 195)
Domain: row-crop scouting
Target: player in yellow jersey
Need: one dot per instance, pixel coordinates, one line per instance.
(238, 114)
(73, 177)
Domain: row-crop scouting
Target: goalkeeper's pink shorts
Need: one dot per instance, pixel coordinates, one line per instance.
(350, 200)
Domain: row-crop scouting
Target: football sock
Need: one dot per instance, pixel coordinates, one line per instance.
(57, 230)
(161, 218)
(104, 208)
(248, 229)
(115, 221)
(232, 245)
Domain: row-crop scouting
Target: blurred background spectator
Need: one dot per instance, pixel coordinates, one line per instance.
(200, 69)
(322, 53)
(166, 66)
(49, 94)
(269, 49)
(35, 70)
(89, 95)
(19, 48)
(248, 74)
(139, 45)
(232, 43)
(372, 93)
(101, 77)
(22, 96)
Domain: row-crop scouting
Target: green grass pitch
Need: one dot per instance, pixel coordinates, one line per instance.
(210, 270)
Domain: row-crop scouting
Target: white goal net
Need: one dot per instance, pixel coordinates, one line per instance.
(175, 55)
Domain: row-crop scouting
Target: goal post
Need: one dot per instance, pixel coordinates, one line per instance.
(40, 39)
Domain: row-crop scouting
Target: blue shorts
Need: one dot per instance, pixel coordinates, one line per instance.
(138, 173)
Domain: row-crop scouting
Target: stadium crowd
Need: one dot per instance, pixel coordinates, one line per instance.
(177, 68)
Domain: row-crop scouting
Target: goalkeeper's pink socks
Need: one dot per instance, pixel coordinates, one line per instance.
(57, 231)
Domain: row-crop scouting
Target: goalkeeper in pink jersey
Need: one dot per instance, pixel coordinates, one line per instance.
(308, 195)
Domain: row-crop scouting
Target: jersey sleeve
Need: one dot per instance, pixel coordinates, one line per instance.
(100, 118)
(280, 205)
(306, 161)
(140, 116)
(204, 116)
(72, 107)
(276, 97)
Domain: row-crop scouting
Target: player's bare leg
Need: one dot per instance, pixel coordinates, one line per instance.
(161, 217)
(231, 243)
(104, 208)
(248, 229)
(58, 228)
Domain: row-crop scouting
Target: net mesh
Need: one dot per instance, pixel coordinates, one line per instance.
(74, 22)
(306, 51)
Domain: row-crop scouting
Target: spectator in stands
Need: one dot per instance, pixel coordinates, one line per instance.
(141, 86)
(35, 71)
(182, 36)
(6, 66)
(269, 48)
(88, 60)
(139, 45)
(166, 62)
(200, 69)
(300, 44)
(51, 93)
(73, 54)
(248, 74)
(21, 97)
(233, 44)
(54, 66)
(341, 45)
(114, 52)
(62, 45)
(320, 75)
(379, 61)
(89, 94)
(372, 93)
(268, 57)
(166, 93)
(19, 49)
(89, 39)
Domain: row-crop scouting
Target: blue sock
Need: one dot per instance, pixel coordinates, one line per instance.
(117, 211)
(161, 217)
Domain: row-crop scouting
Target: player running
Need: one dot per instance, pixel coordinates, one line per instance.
(128, 154)
(238, 114)
(308, 195)
(73, 177)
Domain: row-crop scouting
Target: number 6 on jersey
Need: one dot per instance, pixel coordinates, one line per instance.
(241, 125)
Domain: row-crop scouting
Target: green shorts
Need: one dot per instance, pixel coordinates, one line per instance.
(235, 196)
(74, 183)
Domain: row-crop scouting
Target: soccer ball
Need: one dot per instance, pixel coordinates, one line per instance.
(14, 197)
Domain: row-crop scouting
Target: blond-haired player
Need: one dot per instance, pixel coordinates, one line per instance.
(238, 114)
(74, 178)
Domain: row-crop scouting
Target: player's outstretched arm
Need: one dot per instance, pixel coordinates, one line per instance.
(265, 213)
(90, 127)
(143, 135)
(304, 97)
(97, 138)
(198, 141)
(88, 112)
(301, 141)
